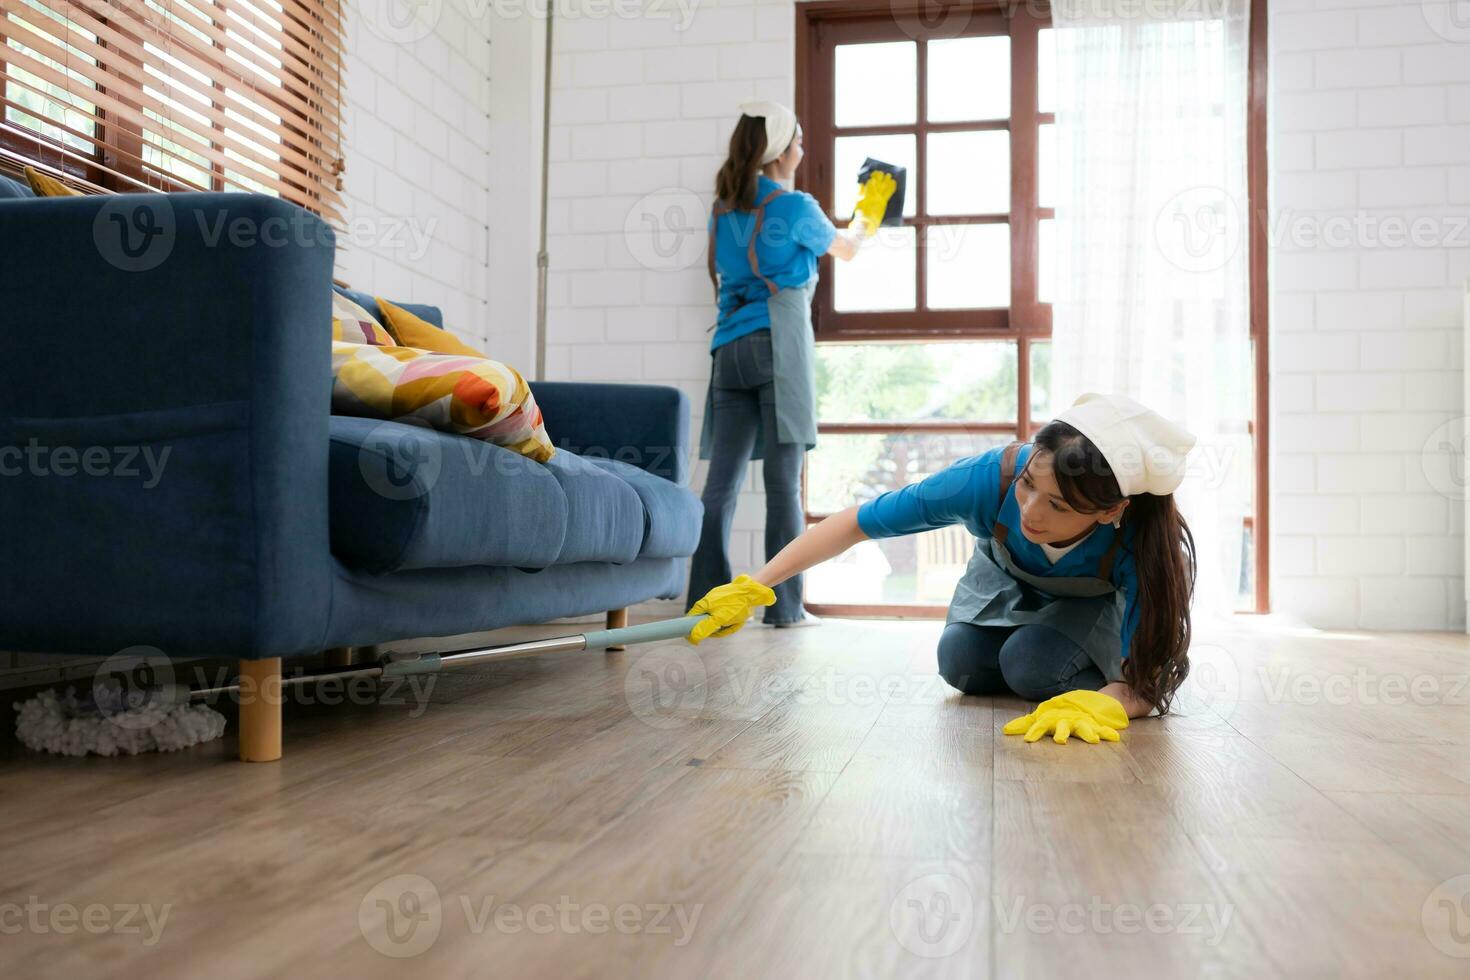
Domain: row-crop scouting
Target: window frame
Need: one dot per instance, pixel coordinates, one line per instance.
(820, 26)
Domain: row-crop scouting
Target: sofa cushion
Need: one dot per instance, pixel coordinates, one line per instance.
(404, 496)
(672, 514)
(407, 497)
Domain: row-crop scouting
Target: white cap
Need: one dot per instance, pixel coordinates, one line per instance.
(780, 126)
(1146, 451)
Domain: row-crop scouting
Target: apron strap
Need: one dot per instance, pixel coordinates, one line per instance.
(1105, 563)
(755, 263)
(722, 209)
(714, 226)
(1007, 477)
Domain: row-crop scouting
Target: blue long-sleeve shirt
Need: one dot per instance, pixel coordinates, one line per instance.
(968, 493)
(794, 235)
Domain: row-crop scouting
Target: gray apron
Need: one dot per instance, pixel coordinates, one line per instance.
(793, 353)
(1087, 609)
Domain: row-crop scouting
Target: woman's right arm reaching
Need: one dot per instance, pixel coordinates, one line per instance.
(729, 606)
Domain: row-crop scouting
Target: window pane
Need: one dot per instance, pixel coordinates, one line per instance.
(876, 84)
(852, 469)
(881, 277)
(1040, 381)
(969, 78)
(1046, 70)
(848, 157)
(918, 568)
(1046, 166)
(969, 173)
(1046, 265)
(968, 266)
(917, 382)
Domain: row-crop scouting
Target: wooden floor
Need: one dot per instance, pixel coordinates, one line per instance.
(809, 802)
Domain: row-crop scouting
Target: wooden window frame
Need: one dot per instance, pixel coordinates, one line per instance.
(820, 25)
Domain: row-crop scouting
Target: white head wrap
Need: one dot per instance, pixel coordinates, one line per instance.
(1146, 451)
(780, 126)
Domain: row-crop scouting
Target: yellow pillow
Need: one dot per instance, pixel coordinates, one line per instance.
(353, 324)
(415, 331)
(47, 186)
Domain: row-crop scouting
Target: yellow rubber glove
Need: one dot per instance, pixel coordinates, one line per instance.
(1091, 715)
(728, 607)
(873, 200)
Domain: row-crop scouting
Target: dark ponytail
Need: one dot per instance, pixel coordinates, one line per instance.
(735, 184)
(1163, 554)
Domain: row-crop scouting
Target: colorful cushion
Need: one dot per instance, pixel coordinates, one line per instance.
(47, 186)
(352, 324)
(414, 331)
(472, 396)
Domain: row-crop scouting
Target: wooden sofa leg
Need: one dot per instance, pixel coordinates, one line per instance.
(260, 710)
(616, 620)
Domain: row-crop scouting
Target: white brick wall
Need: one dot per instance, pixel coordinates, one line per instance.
(417, 134)
(641, 106)
(1368, 105)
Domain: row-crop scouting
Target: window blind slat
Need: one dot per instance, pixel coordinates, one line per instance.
(215, 64)
(185, 86)
(177, 93)
(205, 141)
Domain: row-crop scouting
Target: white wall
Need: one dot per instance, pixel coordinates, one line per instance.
(417, 145)
(642, 109)
(1370, 128)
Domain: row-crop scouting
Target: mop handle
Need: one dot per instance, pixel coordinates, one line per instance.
(667, 629)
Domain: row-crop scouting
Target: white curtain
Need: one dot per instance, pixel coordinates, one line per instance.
(1151, 291)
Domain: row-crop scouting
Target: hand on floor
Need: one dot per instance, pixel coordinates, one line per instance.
(873, 200)
(1090, 715)
(728, 607)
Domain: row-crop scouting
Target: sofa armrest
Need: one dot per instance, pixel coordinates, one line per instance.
(163, 425)
(645, 425)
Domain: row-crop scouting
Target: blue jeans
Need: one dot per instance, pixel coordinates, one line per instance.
(1031, 662)
(744, 395)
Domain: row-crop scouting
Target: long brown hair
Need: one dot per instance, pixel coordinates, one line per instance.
(735, 184)
(1163, 555)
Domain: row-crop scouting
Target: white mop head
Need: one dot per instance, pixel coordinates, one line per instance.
(116, 723)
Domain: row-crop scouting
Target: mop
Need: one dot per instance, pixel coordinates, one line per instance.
(120, 721)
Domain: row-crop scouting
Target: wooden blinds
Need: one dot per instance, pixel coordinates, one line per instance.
(241, 95)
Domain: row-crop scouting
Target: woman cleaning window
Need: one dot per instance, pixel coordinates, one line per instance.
(765, 241)
(1079, 590)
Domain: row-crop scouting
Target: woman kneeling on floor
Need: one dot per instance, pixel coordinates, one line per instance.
(1079, 590)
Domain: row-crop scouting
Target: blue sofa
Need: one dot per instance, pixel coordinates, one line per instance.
(171, 474)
